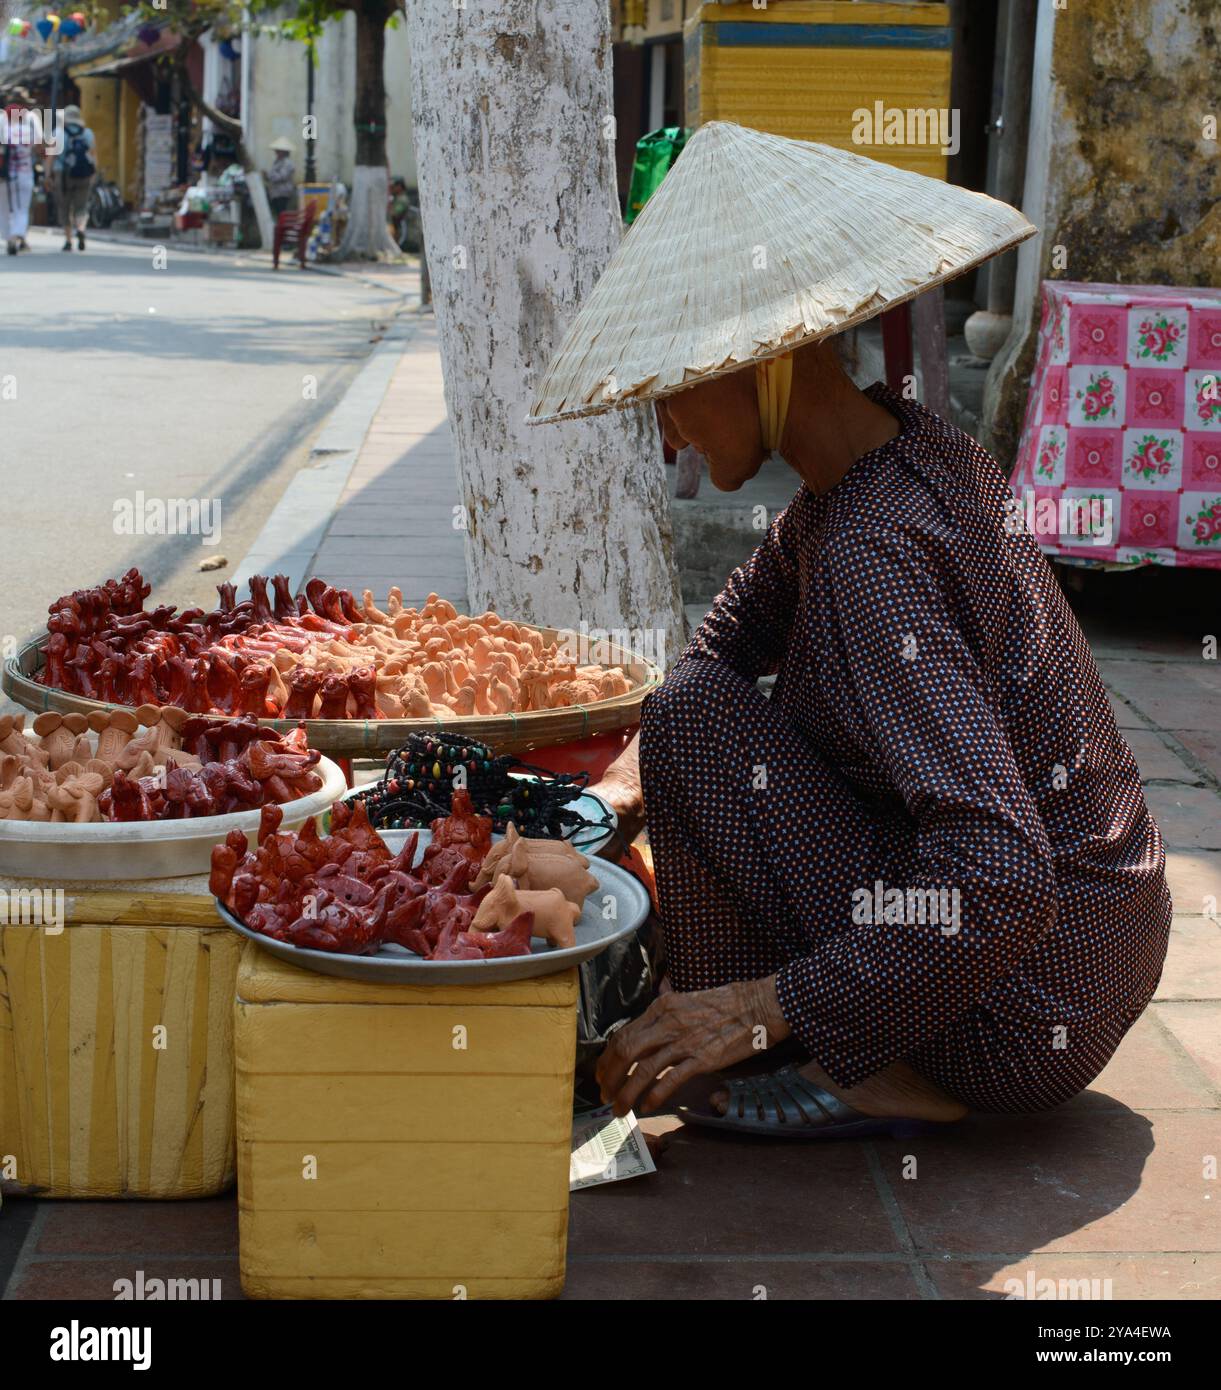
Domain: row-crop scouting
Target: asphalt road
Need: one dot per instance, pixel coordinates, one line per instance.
(193, 381)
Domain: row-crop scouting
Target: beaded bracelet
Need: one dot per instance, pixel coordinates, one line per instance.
(422, 775)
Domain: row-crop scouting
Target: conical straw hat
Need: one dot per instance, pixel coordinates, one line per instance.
(755, 244)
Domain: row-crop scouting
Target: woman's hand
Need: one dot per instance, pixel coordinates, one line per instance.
(690, 1034)
(620, 788)
(628, 806)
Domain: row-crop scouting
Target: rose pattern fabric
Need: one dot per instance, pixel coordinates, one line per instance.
(1153, 457)
(1206, 527)
(1049, 456)
(1098, 397)
(1208, 400)
(1125, 403)
(1159, 338)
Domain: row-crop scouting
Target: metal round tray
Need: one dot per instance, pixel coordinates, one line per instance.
(596, 929)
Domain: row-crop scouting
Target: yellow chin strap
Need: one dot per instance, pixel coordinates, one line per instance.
(773, 380)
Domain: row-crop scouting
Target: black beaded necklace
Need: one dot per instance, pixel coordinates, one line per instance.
(422, 775)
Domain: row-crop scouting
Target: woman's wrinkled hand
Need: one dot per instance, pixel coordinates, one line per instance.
(621, 788)
(686, 1035)
(628, 805)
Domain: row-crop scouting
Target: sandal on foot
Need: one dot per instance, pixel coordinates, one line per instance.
(787, 1105)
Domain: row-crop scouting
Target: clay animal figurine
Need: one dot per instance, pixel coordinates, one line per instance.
(115, 729)
(61, 737)
(164, 723)
(24, 801)
(12, 739)
(75, 799)
(537, 865)
(555, 917)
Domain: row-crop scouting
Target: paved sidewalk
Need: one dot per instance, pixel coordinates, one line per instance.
(1112, 1186)
(395, 520)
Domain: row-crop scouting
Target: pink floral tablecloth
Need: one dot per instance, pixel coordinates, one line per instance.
(1124, 421)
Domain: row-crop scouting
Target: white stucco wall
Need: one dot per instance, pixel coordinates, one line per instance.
(277, 81)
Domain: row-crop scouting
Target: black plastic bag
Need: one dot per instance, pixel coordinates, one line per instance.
(615, 987)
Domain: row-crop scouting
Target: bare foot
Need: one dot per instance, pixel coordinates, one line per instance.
(898, 1090)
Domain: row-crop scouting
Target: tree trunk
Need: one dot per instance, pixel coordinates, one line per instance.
(366, 234)
(512, 109)
(227, 125)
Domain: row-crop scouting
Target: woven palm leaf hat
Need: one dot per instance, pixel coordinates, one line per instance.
(754, 245)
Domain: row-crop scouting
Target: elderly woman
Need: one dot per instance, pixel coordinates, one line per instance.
(924, 865)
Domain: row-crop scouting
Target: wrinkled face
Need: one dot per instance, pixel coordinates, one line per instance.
(720, 419)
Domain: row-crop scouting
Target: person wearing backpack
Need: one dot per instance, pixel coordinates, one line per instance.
(20, 132)
(76, 168)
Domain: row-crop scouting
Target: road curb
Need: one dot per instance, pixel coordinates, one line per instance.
(295, 529)
(259, 257)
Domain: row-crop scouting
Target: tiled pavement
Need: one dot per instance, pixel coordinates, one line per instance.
(1112, 1186)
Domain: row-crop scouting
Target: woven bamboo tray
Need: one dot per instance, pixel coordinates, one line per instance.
(354, 738)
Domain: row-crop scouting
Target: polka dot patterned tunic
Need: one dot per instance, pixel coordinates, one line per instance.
(932, 832)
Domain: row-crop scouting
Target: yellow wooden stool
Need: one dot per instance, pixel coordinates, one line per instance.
(400, 1141)
(116, 1041)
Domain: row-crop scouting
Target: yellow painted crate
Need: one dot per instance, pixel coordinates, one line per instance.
(397, 1141)
(807, 68)
(116, 1044)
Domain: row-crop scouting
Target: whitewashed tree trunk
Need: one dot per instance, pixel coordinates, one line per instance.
(366, 235)
(513, 123)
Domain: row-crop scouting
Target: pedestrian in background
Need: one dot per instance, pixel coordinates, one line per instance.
(282, 179)
(20, 132)
(400, 211)
(76, 168)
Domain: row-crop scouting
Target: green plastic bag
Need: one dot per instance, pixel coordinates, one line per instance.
(655, 153)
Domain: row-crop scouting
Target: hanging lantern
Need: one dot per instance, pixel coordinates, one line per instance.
(14, 27)
(82, 19)
(148, 33)
(53, 21)
(69, 28)
(45, 28)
